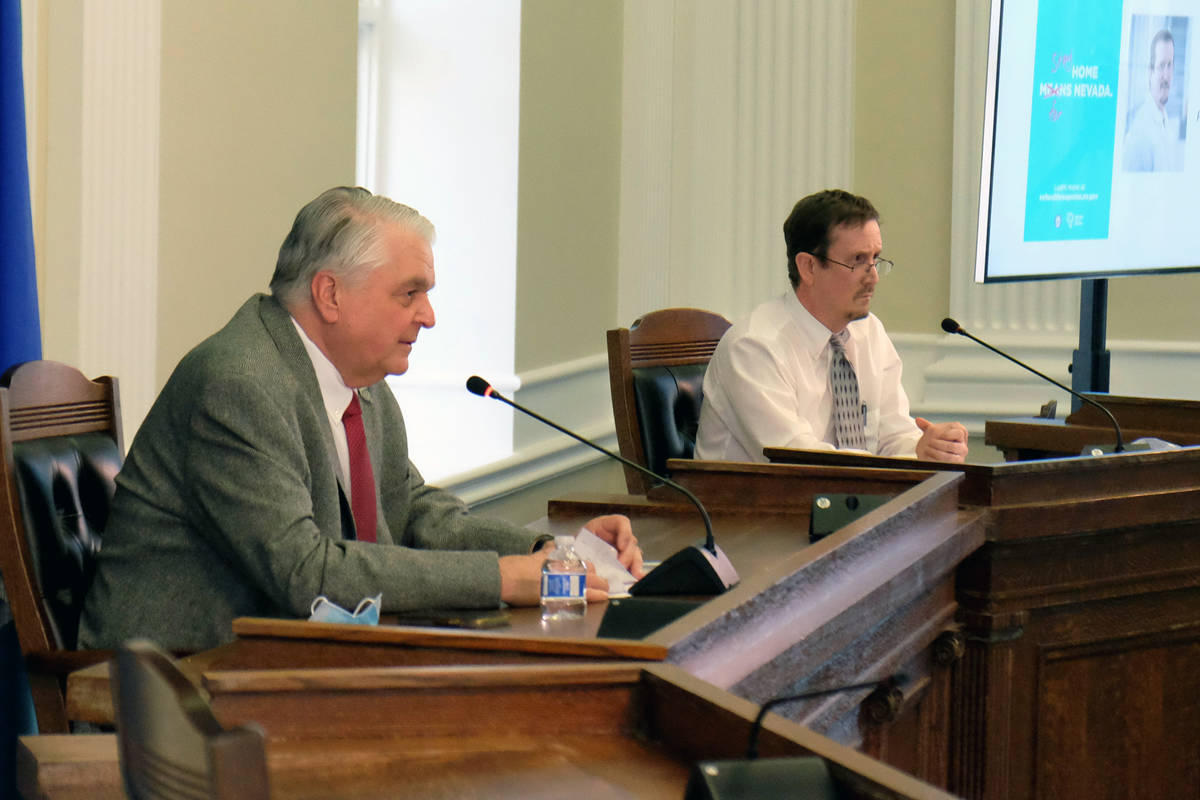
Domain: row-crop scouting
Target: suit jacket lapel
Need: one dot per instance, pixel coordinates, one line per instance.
(278, 323)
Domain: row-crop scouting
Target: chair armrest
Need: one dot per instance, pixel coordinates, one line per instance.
(63, 662)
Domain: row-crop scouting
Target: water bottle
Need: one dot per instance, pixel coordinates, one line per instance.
(564, 582)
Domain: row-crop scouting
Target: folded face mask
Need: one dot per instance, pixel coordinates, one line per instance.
(365, 613)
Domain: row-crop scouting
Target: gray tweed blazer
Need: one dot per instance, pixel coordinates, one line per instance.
(230, 504)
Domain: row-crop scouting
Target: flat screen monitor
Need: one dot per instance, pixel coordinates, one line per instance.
(1091, 152)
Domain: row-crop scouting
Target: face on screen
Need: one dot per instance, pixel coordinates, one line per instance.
(1161, 72)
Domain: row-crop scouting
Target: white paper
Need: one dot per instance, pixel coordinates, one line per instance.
(603, 556)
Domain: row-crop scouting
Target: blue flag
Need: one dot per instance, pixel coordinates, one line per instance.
(20, 330)
(20, 340)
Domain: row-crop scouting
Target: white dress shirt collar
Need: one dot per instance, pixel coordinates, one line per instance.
(335, 394)
(334, 390)
(816, 335)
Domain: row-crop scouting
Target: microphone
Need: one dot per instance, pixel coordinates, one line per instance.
(951, 326)
(702, 570)
(887, 684)
(790, 776)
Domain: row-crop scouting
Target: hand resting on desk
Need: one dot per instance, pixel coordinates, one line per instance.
(521, 576)
(942, 441)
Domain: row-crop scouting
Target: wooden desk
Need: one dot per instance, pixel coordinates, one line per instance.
(871, 600)
(1023, 439)
(1082, 617)
(287, 644)
(615, 730)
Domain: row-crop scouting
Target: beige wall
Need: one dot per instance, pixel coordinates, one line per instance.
(258, 117)
(570, 164)
(1154, 307)
(904, 89)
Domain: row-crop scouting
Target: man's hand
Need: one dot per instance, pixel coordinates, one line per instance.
(521, 579)
(942, 441)
(616, 530)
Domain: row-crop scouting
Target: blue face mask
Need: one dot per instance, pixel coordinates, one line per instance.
(365, 613)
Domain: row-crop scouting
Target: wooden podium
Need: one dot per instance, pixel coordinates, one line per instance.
(1045, 616)
(1176, 421)
(874, 599)
(1082, 620)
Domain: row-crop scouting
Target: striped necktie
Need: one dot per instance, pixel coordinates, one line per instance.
(847, 411)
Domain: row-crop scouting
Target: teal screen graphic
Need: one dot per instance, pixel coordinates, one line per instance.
(1072, 129)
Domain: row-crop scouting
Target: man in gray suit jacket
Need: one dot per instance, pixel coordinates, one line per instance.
(235, 499)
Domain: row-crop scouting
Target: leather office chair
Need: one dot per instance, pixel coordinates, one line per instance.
(656, 374)
(169, 743)
(60, 450)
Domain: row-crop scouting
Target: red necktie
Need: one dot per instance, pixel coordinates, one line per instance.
(362, 478)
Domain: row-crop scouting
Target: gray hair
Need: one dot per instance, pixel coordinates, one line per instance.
(339, 231)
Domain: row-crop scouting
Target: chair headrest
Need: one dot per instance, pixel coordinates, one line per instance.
(668, 405)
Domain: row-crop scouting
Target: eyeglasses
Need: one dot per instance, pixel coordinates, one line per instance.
(882, 265)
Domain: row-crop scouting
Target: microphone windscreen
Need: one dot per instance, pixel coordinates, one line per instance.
(950, 326)
(477, 385)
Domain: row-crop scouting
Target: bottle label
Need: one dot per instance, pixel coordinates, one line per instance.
(563, 585)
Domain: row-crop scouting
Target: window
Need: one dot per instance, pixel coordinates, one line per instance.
(438, 115)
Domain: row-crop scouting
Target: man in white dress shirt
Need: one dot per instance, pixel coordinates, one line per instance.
(1152, 141)
(769, 383)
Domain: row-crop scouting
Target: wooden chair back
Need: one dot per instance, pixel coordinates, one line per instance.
(60, 450)
(169, 743)
(656, 371)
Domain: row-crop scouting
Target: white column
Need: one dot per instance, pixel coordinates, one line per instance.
(644, 248)
(119, 215)
(101, 247)
(31, 11)
(731, 112)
